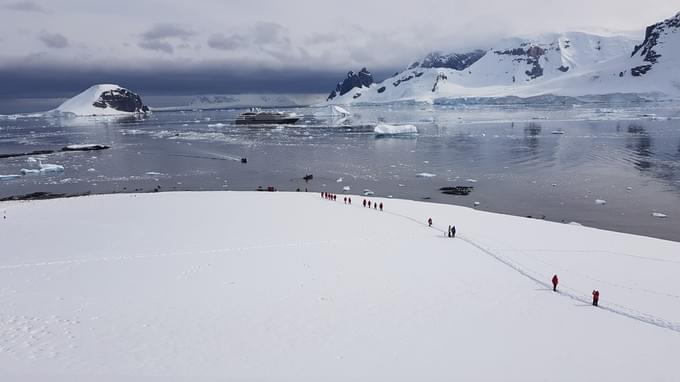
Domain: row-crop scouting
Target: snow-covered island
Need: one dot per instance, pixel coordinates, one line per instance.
(552, 68)
(290, 286)
(102, 100)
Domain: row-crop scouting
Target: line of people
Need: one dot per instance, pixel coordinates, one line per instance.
(596, 293)
(368, 203)
(451, 232)
(329, 196)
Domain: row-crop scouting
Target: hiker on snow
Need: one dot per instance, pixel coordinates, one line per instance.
(345, 200)
(596, 297)
(449, 231)
(369, 204)
(349, 200)
(429, 222)
(453, 231)
(364, 202)
(555, 281)
(380, 206)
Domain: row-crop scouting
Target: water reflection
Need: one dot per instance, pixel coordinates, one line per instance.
(640, 143)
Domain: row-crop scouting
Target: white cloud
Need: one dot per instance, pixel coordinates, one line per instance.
(299, 34)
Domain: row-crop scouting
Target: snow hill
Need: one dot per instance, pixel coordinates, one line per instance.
(289, 286)
(104, 99)
(570, 64)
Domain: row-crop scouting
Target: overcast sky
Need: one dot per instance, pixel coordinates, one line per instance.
(179, 46)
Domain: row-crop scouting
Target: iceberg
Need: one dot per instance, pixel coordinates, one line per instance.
(385, 129)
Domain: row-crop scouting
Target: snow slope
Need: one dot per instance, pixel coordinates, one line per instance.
(289, 286)
(85, 103)
(568, 64)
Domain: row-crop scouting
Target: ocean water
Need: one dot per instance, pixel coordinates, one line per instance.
(513, 157)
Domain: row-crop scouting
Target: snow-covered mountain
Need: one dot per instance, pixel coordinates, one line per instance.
(569, 64)
(103, 99)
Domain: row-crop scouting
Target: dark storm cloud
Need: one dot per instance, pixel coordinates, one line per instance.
(53, 40)
(158, 37)
(21, 81)
(24, 6)
(157, 45)
(270, 34)
(222, 42)
(167, 30)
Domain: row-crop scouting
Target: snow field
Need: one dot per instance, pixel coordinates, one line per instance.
(289, 286)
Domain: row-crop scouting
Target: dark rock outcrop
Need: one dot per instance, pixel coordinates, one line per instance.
(363, 78)
(530, 55)
(456, 61)
(122, 100)
(648, 49)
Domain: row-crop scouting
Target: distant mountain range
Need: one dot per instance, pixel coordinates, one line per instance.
(550, 68)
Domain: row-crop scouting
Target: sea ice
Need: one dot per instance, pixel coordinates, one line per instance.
(659, 215)
(600, 201)
(425, 175)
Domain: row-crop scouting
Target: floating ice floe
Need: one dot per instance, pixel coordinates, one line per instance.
(339, 180)
(471, 180)
(48, 167)
(85, 147)
(385, 129)
(29, 171)
(476, 204)
(217, 125)
(600, 201)
(425, 175)
(659, 215)
(368, 192)
(9, 177)
(153, 173)
(346, 188)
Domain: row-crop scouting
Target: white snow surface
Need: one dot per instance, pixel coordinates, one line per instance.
(385, 129)
(81, 104)
(207, 286)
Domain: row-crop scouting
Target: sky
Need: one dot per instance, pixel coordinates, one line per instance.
(54, 47)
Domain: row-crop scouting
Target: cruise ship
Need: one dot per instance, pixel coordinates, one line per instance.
(256, 116)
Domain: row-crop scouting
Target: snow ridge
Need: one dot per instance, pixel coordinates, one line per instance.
(571, 64)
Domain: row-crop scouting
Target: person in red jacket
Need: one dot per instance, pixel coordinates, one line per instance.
(555, 281)
(596, 297)
(429, 222)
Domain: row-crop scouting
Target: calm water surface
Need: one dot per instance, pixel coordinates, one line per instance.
(511, 156)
